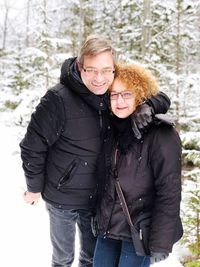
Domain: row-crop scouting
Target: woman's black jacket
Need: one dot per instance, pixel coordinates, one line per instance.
(149, 172)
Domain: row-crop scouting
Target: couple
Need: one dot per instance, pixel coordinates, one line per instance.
(62, 145)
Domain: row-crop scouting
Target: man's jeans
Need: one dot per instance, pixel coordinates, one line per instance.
(116, 253)
(62, 230)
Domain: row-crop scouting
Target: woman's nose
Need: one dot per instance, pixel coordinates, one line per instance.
(120, 98)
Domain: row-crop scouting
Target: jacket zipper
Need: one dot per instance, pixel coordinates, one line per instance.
(100, 119)
(65, 177)
(115, 174)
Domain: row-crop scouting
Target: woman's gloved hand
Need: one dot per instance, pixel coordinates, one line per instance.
(158, 256)
(141, 118)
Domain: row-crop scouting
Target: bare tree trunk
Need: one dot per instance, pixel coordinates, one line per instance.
(178, 47)
(81, 23)
(5, 28)
(198, 233)
(45, 15)
(198, 43)
(46, 41)
(27, 22)
(146, 26)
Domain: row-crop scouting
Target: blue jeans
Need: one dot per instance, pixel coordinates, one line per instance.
(62, 231)
(116, 253)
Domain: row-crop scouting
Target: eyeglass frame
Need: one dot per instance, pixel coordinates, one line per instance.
(94, 72)
(122, 94)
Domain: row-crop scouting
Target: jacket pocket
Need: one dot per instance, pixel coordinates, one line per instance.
(143, 224)
(68, 174)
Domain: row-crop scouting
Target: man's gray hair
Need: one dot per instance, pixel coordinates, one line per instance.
(94, 45)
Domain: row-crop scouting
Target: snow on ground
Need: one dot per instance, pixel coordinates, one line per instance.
(24, 228)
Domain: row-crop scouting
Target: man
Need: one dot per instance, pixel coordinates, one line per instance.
(63, 141)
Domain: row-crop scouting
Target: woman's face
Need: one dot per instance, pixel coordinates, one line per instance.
(122, 100)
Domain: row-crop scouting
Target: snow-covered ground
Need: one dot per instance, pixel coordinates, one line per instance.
(24, 230)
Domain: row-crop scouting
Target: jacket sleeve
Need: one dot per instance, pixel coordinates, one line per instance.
(42, 132)
(166, 165)
(160, 103)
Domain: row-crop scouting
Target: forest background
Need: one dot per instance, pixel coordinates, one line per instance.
(37, 36)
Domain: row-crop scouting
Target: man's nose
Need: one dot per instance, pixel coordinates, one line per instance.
(99, 77)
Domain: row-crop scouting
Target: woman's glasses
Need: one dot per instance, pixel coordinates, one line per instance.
(124, 95)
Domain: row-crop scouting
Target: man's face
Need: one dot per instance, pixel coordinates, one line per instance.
(97, 72)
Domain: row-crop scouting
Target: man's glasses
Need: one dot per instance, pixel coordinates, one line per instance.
(94, 72)
(124, 95)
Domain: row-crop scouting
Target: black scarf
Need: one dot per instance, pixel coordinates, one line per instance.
(124, 133)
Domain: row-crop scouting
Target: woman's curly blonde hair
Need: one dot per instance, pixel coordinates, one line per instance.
(138, 80)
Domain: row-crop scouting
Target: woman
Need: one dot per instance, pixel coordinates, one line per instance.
(149, 172)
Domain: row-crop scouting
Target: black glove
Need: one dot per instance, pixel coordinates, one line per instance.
(141, 118)
(158, 256)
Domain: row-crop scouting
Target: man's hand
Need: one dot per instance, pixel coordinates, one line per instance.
(141, 118)
(158, 256)
(31, 198)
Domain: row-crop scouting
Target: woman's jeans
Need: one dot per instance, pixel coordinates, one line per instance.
(62, 231)
(116, 253)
